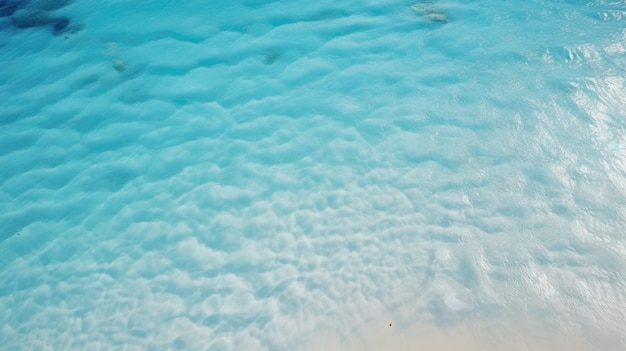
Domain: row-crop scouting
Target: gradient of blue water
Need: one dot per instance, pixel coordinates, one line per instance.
(260, 175)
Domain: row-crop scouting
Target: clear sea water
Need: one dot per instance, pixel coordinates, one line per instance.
(315, 175)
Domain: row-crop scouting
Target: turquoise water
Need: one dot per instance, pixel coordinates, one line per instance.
(314, 175)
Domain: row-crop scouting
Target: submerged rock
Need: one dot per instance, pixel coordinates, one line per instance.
(119, 65)
(429, 10)
(437, 17)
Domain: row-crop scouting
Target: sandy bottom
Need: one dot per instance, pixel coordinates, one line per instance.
(496, 336)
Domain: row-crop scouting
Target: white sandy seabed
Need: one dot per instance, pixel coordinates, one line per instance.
(315, 175)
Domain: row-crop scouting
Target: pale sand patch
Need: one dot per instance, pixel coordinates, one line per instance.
(475, 336)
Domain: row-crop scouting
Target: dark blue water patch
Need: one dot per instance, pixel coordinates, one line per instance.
(60, 26)
(38, 13)
(8, 7)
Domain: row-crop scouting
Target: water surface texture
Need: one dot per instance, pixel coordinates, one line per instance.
(313, 175)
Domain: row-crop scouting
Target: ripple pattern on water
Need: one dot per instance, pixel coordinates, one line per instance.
(264, 175)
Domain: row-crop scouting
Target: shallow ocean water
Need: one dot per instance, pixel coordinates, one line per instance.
(308, 175)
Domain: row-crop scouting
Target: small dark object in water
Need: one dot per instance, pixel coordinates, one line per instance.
(60, 26)
(270, 57)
